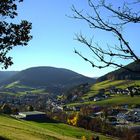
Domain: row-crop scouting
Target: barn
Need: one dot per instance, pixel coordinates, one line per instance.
(32, 115)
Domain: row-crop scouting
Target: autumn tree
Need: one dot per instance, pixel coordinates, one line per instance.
(73, 119)
(11, 34)
(111, 18)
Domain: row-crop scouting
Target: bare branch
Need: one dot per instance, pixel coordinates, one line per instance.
(123, 50)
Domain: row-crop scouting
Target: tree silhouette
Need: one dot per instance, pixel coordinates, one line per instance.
(6, 109)
(30, 108)
(11, 34)
(115, 21)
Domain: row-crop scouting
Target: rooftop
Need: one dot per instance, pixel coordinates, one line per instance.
(32, 113)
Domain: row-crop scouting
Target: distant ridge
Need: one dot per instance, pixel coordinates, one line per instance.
(4, 75)
(53, 79)
(123, 74)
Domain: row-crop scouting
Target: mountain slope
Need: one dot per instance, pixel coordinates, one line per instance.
(96, 88)
(122, 74)
(53, 79)
(4, 75)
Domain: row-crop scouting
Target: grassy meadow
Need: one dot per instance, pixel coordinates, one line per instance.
(18, 89)
(107, 84)
(114, 99)
(26, 130)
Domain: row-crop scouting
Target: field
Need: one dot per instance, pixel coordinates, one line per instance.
(107, 84)
(116, 100)
(26, 130)
(113, 100)
(18, 89)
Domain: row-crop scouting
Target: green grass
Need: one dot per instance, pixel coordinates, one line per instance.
(12, 84)
(26, 130)
(6, 92)
(116, 100)
(118, 83)
(107, 84)
(34, 91)
(17, 85)
(37, 91)
(22, 89)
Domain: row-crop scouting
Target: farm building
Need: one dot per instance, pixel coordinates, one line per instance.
(32, 115)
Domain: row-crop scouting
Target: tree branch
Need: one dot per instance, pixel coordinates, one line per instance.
(123, 50)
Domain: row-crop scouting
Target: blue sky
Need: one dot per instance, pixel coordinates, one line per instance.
(53, 37)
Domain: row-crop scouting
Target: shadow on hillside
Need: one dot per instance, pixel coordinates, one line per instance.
(44, 120)
(3, 138)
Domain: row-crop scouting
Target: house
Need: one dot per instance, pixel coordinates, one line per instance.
(74, 97)
(57, 108)
(134, 115)
(121, 118)
(97, 99)
(112, 120)
(97, 114)
(76, 108)
(32, 115)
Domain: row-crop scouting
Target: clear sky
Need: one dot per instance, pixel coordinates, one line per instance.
(53, 37)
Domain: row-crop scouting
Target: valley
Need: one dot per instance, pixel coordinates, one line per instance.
(81, 105)
(47, 92)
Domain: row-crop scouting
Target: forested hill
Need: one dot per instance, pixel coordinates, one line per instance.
(123, 74)
(49, 77)
(4, 75)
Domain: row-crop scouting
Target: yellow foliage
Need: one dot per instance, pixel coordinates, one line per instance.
(73, 121)
(83, 138)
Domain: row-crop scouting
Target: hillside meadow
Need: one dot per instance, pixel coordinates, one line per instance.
(114, 99)
(13, 129)
(108, 83)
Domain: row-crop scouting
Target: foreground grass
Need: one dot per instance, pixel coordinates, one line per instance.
(26, 130)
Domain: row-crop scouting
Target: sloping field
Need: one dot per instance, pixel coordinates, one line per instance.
(107, 84)
(25, 130)
(113, 100)
(116, 100)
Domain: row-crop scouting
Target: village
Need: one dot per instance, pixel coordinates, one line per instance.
(116, 115)
(74, 109)
(43, 107)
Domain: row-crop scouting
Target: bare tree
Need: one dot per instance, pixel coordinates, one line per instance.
(120, 17)
(11, 34)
